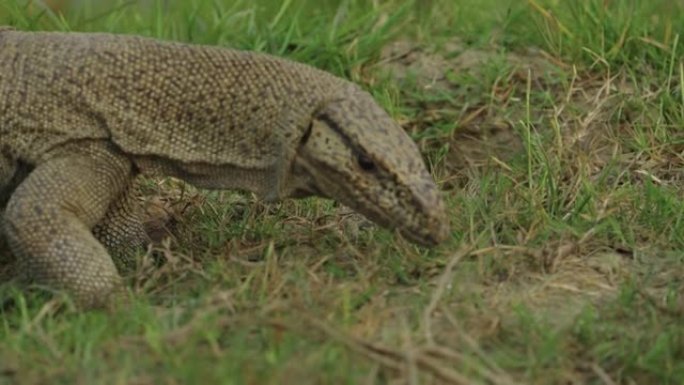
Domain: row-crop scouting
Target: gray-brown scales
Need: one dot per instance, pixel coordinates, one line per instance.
(82, 114)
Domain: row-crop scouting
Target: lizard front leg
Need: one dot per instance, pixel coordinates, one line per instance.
(121, 230)
(7, 171)
(49, 217)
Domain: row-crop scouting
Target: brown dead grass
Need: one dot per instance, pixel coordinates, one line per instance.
(485, 139)
(484, 134)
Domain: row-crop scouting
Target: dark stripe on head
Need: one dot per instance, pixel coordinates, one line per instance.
(323, 117)
(365, 161)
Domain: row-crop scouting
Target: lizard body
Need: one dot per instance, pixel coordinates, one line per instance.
(82, 114)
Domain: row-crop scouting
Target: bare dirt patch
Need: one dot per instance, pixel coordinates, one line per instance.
(484, 123)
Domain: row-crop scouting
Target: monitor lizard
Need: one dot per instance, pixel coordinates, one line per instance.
(82, 114)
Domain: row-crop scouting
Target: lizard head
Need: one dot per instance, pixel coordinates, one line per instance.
(354, 153)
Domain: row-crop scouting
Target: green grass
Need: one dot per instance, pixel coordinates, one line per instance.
(556, 130)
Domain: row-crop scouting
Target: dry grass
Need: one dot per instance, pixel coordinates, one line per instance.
(563, 173)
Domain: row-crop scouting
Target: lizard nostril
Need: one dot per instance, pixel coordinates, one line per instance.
(365, 162)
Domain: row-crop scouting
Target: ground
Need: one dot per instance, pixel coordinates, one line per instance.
(555, 130)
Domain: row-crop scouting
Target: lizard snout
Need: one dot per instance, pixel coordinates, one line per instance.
(431, 226)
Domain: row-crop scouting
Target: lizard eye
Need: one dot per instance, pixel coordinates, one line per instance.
(365, 162)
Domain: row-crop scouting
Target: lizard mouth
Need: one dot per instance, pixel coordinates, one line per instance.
(427, 238)
(427, 224)
(430, 230)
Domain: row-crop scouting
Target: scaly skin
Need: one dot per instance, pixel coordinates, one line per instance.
(82, 114)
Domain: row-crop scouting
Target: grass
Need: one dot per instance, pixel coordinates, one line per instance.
(556, 131)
